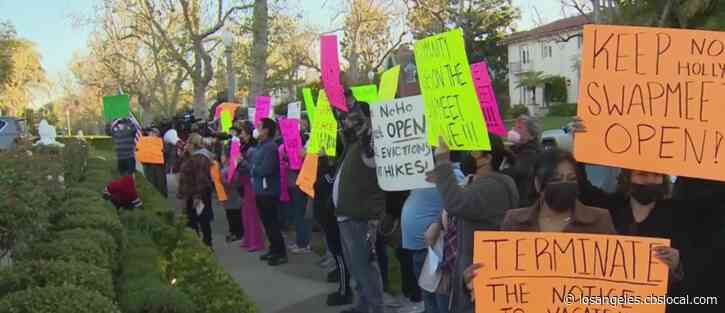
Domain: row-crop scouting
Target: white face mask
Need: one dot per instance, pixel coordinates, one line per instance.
(513, 136)
(255, 134)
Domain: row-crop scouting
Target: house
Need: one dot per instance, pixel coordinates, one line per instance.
(552, 49)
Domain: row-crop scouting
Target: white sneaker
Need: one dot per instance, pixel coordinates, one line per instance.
(292, 246)
(390, 301)
(412, 307)
(305, 250)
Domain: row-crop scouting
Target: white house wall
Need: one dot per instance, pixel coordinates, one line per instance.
(563, 56)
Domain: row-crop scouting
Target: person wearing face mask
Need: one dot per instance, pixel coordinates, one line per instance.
(524, 150)
(479, 205)
(359, 205)
(557, 208)
(642, 206)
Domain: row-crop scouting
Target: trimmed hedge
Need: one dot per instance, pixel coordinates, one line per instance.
(106, 222)
(67, 299)
(56, 273)
(103, 239)
(72, 250)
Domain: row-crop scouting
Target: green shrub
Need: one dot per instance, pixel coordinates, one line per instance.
(562, 109)
(518, 110)
(32, 274)
(106, 222)
(74, 193)
(103, 239)
(71, 250)
(199, 275)
(66, 299)
(144, 286)
(141, 220)
(82, 206)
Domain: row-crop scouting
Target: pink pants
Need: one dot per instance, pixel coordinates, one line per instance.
(253, 236)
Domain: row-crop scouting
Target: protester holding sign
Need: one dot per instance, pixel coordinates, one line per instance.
(478, 206)
(360, 203)
(253, 237)
(155, 172)
(525, 148)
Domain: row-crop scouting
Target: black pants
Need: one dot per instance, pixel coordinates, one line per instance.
(332, 236)
(234, 218)
(126, 166)
(409, 281)
(268, 212)
(156, 175)
(200, 222)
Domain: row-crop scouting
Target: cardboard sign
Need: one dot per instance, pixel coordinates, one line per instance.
(402, 152)
(251, 113)
(451, 104)
(263, 108)
(309, 104)
(226, 106)
(150, 150)
(216, 177)
(655, 107)
(294, 111)
(487, 99)
(116, 107)
(235, 150)
(324, 129)
(330, 68)
(366, 93)
(226, 121)
(389, 84)
(308, 175)
(290, 129)
(567, 272)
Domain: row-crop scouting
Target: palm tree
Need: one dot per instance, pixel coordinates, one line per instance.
(531, 80)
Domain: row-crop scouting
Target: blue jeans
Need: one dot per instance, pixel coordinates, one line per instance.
(434, 302)
(363, 267)
(298, 206)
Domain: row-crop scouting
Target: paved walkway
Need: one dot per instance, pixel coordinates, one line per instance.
(296, 287)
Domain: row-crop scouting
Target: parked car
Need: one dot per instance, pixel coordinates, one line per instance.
(10, 130)
(604, 177)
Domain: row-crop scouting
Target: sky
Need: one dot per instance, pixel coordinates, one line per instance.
(50, 23)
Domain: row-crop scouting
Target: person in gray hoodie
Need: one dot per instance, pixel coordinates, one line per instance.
(479, 205)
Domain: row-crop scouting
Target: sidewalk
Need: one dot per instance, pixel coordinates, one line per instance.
(296, 287)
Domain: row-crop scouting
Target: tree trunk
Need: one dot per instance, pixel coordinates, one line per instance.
(200, 110)
(259, 51)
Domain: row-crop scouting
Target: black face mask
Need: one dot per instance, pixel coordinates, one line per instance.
(561, 197)
(646, 194)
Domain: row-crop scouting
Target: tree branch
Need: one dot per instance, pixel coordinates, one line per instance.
(395, 46)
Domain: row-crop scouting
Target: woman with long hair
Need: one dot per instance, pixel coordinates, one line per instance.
(253, 237)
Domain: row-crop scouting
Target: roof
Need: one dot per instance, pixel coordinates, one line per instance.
(553, 28)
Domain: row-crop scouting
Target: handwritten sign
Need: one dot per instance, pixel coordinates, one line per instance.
(290, 129)
(451, 104)
(116, 107)
(402, 152)
(294, 111)
(366, 93)
(389, 83)
(150, 150)
(226, 121)
(657, 106)
(263, 108)
(216, 177)
(324, 129)
(235, 150)
(330, 67)
(566, 272)
(226, 106)
(487, 99)
(309, 104)
(308, 175)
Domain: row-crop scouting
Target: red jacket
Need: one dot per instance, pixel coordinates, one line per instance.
(123, 192)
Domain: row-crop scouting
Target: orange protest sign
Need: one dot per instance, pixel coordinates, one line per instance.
(567, 272)
(150, 150)
(216, 176)
(649, 98)
(308, 175)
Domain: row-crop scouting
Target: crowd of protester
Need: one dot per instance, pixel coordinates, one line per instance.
(516, 186)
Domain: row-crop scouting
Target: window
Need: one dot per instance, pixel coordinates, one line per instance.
(546, 52)
(410, 73)
(525, 57)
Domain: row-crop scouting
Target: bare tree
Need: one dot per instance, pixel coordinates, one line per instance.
(259, 50)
